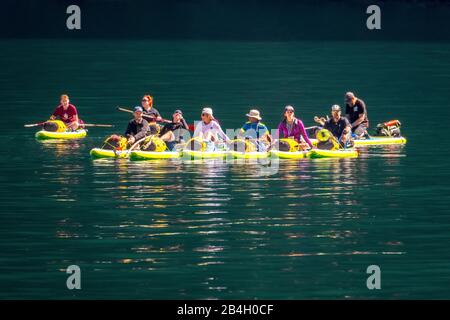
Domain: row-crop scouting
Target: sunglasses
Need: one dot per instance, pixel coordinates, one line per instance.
(289, 111)
(144, 100)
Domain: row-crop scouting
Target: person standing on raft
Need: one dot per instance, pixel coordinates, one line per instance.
(67, 113)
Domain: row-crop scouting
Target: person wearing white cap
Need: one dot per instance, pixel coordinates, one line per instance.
(209, 129)
(256, 130)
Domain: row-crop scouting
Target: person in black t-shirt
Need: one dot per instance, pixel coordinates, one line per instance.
(150, 113)
(170, 133)
(356, 112)
(137, 127)
(339, 126)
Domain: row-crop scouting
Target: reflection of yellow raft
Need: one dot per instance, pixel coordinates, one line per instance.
(374, 141)
(319, 153)
(289, 154)
(78, 134)
(98, 153)
(151, 155)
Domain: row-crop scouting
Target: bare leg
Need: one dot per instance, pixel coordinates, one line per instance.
(168, 137)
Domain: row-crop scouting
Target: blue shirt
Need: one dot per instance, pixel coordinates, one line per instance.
(254, 129)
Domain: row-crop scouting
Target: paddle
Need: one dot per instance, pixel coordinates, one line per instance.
(190, 126)
(144, 115)
(83, 124)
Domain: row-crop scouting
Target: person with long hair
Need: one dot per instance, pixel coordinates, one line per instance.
(292, 127)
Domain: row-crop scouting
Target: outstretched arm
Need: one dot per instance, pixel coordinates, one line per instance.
(221, 133)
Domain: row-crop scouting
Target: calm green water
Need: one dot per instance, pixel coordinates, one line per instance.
(168, 229)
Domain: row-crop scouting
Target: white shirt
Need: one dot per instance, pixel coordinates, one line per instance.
(213, 128)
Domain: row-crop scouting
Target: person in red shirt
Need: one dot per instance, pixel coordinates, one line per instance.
(67, 113)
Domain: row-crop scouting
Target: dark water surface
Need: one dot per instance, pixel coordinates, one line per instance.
(209, 229)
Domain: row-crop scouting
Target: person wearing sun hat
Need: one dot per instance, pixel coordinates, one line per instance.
(254, 129)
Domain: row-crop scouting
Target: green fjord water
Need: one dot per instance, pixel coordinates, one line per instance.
(208, 229)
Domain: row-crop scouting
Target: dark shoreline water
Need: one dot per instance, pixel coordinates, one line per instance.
(169, 229)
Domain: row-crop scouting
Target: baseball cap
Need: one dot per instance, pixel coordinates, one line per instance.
(349, 96)
(208, 111)
(335, 107)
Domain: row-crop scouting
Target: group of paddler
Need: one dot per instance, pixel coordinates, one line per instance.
(332, 133)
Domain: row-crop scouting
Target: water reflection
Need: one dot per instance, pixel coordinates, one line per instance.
(58, 148)
(203, 216)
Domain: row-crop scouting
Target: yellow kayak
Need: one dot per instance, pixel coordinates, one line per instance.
(290, 154)
(151, 155)
(248, 155)
(373, 141)
(378, 141)
(204, 154)
(98, 153)
(78, 134)
(319, 153)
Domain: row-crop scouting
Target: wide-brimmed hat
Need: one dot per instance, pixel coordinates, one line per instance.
(254, 114)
